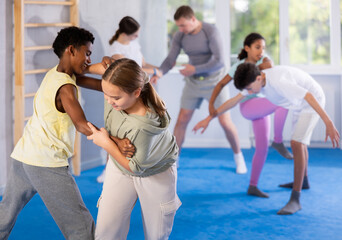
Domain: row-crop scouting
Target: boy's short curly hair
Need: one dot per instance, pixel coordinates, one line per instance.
(245, 74)
(74, 36)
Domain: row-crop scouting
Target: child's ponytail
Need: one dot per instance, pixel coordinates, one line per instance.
(115, 37)
(127, 25)
(150, 95)
(243, 54)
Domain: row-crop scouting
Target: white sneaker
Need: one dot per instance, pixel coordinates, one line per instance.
(101, 177)
(240, 163)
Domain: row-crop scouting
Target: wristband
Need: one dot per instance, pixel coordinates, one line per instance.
(154, 72)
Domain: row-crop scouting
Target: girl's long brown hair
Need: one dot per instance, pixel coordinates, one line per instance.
(128, 76)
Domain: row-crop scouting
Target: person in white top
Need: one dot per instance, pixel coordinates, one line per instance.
(124, 44)
(290, 88)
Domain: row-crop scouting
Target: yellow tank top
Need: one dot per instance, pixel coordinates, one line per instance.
(49, 135)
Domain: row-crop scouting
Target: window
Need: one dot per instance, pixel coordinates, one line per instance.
(260, 16)
(304, 33)
(309, 32)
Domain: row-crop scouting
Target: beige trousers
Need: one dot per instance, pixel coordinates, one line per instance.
(158, 199)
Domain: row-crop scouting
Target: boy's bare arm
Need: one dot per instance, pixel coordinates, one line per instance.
(331, 130)
(68, 96)
(89, 82)
(315, 105)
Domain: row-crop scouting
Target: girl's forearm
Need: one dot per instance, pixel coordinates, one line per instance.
(230, 104)
(218, 88)
(114, 151)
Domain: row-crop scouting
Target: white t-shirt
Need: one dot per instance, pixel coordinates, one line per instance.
(131, 50)
(287, 86)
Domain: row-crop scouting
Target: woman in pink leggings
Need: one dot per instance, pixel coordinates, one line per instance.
(253, 51)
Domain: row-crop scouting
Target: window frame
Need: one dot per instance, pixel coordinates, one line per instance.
(335, 67)
(335, 40)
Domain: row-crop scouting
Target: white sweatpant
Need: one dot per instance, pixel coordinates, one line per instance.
(158, 199)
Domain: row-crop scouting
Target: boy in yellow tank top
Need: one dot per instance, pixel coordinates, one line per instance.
(41, 155)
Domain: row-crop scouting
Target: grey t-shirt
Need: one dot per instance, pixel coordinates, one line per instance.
(205, 50)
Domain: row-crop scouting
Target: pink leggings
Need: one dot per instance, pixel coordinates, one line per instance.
(258, 110)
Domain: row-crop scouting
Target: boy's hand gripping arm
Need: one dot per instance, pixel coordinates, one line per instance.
(125, 146)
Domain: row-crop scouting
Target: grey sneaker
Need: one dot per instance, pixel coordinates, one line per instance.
(282, 150)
